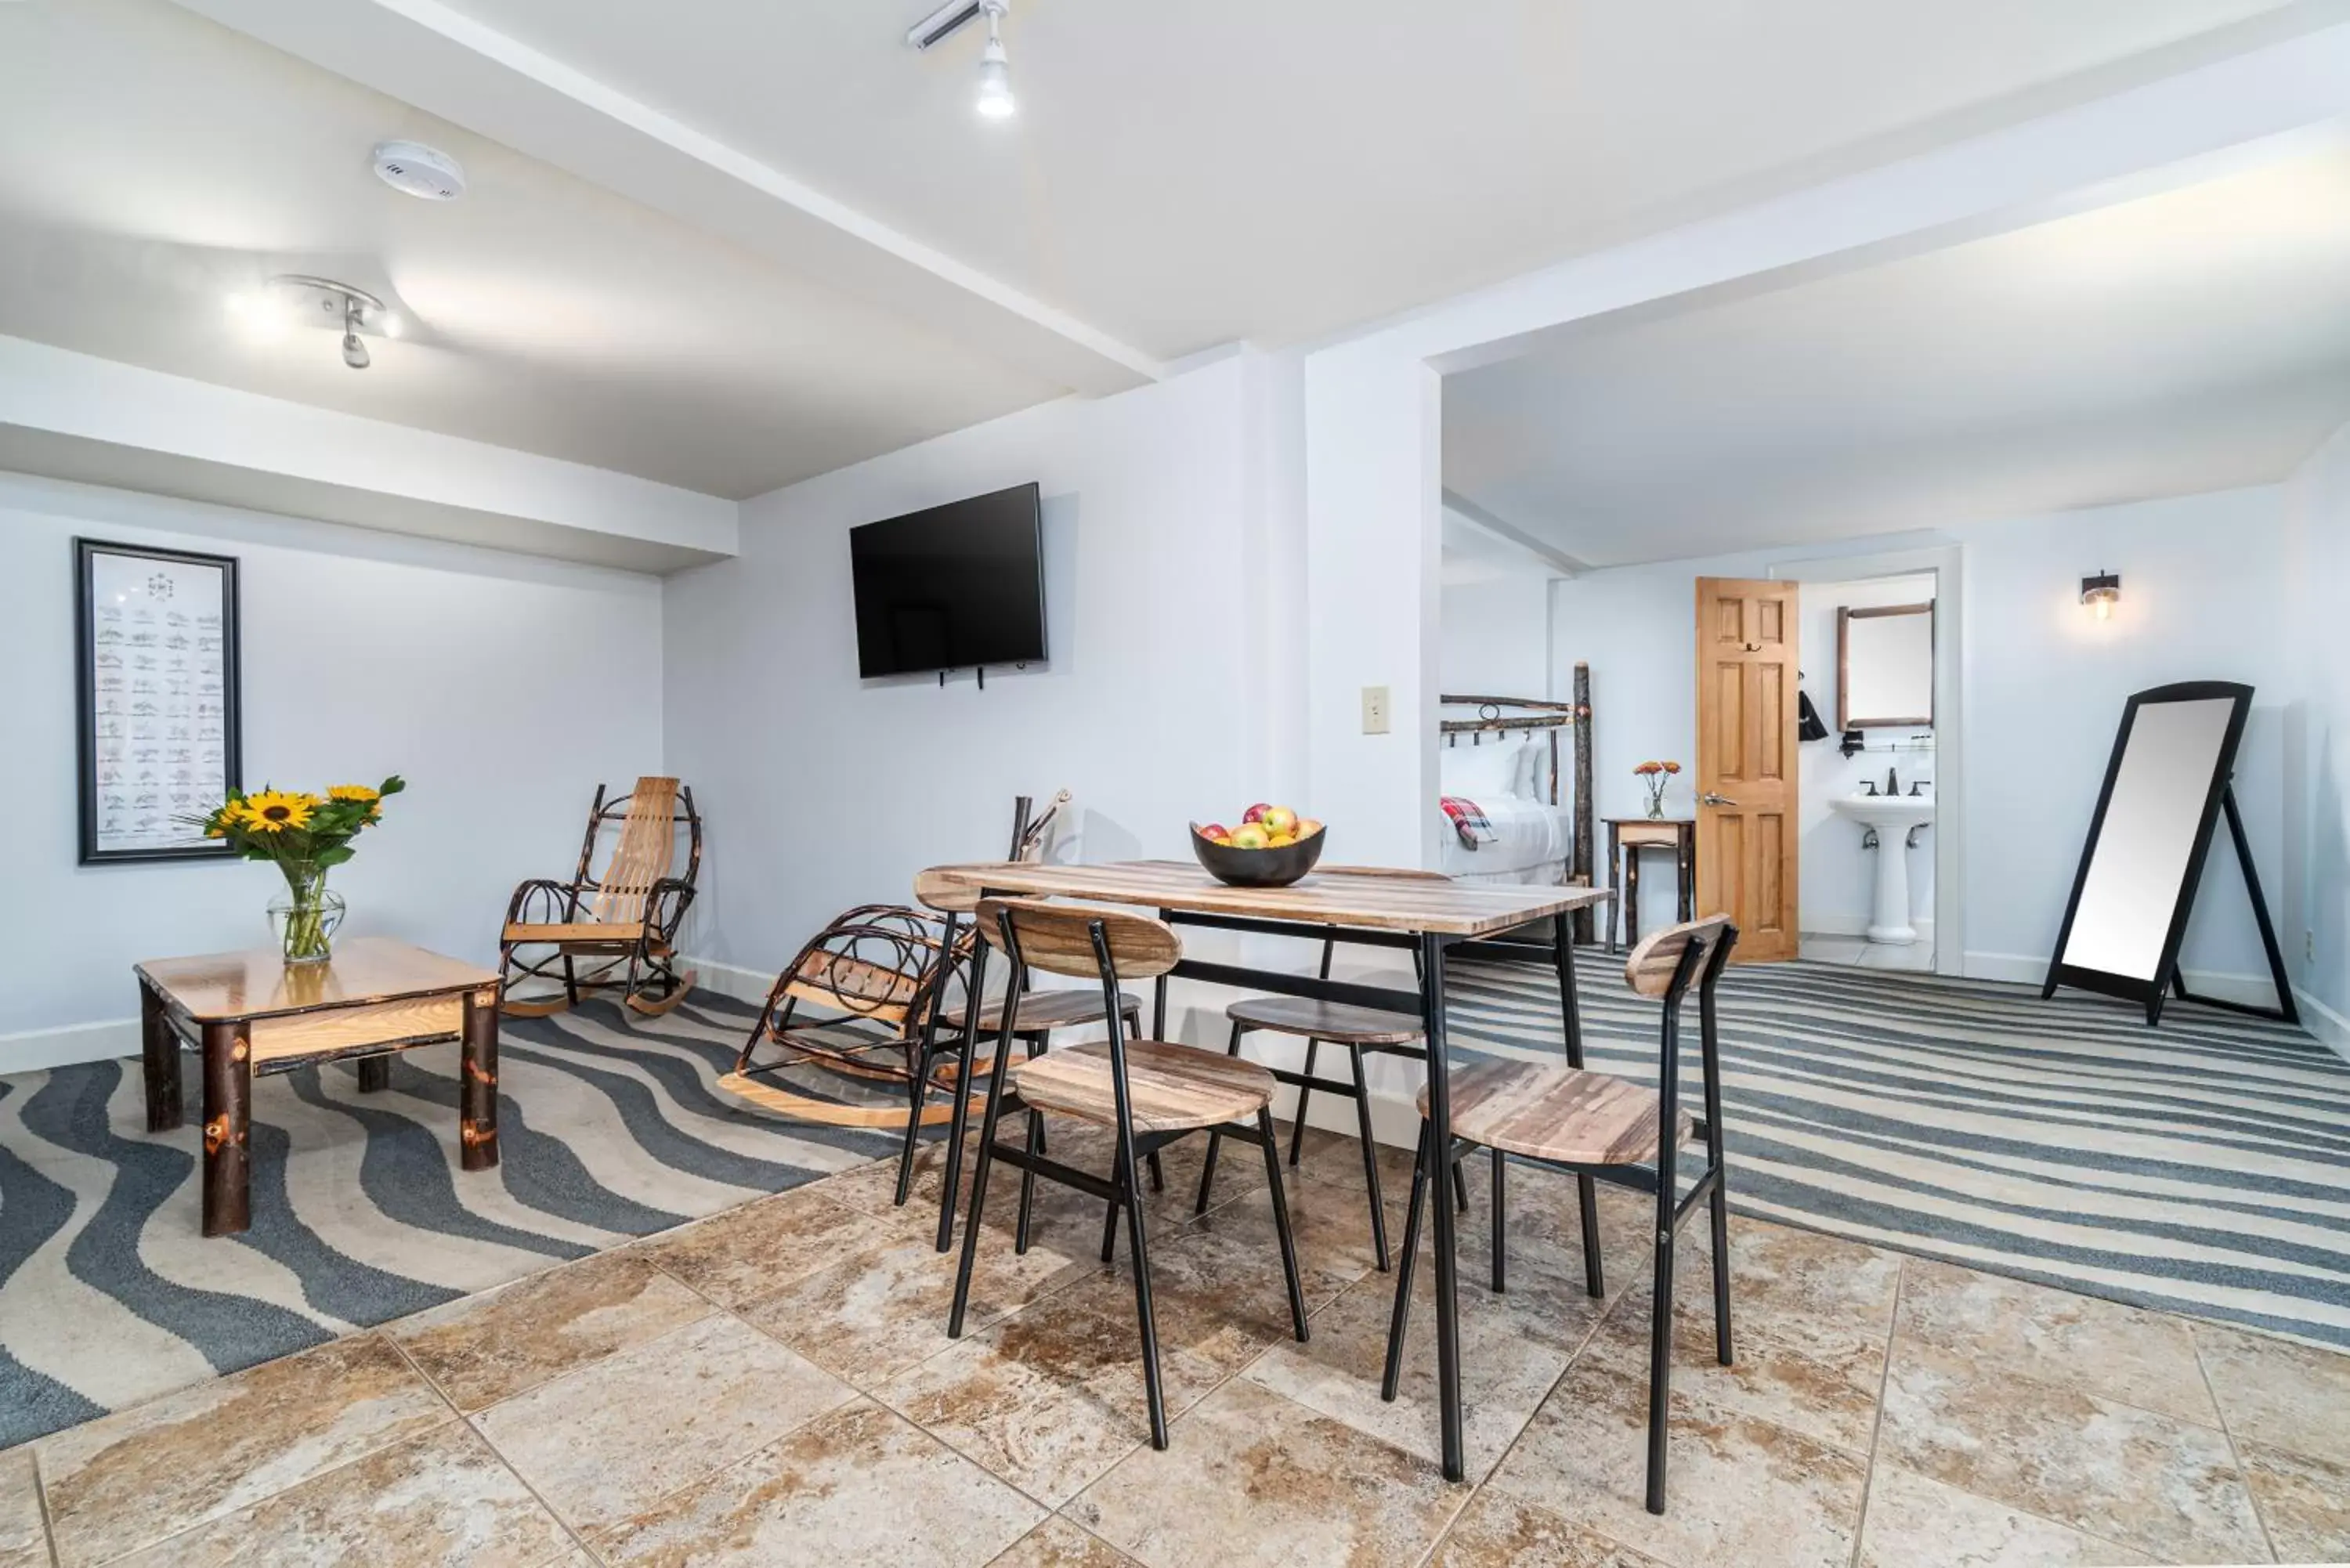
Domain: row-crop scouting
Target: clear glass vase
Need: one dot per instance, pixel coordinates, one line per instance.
(304, 916)
(1657, 807)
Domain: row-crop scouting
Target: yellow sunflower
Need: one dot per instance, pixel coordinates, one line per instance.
(274, 811)
(354, 791)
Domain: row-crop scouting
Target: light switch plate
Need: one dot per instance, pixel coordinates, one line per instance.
(1374, 710)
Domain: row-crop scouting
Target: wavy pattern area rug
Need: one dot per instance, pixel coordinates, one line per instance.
(2201, 1167)
(610, 1126)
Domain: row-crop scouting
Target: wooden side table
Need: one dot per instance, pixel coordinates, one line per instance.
(251, 1012)
(1627, 836)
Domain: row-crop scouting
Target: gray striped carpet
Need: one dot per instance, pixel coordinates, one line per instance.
(610, 1126)
(2201, 1168)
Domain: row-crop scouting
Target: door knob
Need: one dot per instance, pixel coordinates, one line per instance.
(1710, 798)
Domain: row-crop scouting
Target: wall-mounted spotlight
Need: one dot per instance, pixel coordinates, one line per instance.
(2101, 593)
(996, 100)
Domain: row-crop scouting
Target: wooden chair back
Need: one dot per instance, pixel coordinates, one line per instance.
(1660, 965)
(1059, 939)
(641, 858)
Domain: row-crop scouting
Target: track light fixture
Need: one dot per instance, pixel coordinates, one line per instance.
(298, 300)
(996, 100)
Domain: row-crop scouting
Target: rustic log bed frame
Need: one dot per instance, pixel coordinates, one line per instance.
(1506, 716)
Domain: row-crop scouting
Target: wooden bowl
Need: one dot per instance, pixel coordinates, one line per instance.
(1258, 867)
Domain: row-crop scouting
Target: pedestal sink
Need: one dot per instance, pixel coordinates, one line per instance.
(1892, 817)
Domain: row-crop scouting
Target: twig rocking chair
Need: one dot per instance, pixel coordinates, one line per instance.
(623, 919)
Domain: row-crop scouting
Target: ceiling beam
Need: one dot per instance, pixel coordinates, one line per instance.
(449, 65)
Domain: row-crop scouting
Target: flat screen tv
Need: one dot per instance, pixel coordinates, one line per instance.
(951, 587)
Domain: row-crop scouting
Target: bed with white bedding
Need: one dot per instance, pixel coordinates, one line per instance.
(1509, 780)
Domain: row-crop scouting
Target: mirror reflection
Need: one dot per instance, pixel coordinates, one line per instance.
(1885, 667)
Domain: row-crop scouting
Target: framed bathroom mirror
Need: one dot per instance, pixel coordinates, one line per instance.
(2165, 792)
(1885, 667)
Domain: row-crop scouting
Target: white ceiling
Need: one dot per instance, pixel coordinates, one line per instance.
(151, 163)
(2190, 341)
(1183, 175)
(728, 243)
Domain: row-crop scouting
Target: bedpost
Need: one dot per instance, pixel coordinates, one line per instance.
(1584, 850)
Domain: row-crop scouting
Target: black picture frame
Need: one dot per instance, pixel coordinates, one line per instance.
(94, 850)
(2220, 801)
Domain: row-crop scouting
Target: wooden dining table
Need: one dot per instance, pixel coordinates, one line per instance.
(1433, 919)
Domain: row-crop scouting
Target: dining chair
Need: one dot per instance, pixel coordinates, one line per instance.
(1149, 1092)
(1598, 1125)
(1359, 1028)
(1036, 1014)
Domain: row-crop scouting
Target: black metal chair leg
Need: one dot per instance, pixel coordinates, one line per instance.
(1594, 1278)
(1028, 1183)
(1281, 1224)
(950, 1179)
(996, 1099)
(1297, 1127)
(1459, 1188)
(1720, 1203)
(1371, 1160)
(1501, 1247)
(1216, 1139)
(1399, 1317)
(917, 1091)
(1660, 1372)
(1129, 1182)
(1157, 1173)
(1109, 1229)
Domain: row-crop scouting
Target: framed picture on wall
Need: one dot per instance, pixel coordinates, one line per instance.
(155, 653)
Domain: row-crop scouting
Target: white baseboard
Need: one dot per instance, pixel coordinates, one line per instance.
(728, 980)
(2330, 1029)
(34, 1049)
(2254, 990)
(1858, 926)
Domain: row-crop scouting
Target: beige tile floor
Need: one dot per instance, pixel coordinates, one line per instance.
(774, 1385)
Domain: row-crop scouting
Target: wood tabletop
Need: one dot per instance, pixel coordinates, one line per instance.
(1398, 903)
(259, 984)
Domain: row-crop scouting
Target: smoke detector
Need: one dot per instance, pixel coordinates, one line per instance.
(415, 169)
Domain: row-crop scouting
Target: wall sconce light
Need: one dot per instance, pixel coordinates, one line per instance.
(2101, 593)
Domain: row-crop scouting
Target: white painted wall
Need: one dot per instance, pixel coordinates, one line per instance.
(2314, 919)
(2203, 586)
(1166, 550)
(1837, 876)
(503, 687)
(1494, 637)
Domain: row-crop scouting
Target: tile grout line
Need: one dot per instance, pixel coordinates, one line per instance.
(2229, 1431)
(483, 1438)
(1876, 1425)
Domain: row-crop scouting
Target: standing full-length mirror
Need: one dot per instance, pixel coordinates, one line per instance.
(2166, 789)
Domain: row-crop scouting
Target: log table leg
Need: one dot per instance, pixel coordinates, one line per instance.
(160, 1052)
(477, 1097)
(375, 1072)
(228, 1128)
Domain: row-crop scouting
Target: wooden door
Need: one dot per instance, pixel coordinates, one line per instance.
(1746, 773)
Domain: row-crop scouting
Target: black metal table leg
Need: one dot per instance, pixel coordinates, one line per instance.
(1586, 1193)
(1439, 1135)
(966, 1062)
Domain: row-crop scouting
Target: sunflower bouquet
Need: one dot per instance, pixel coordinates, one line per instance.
(303, 836)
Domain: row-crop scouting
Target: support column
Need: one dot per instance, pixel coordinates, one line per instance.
(159, 1059)
(477, 1096)
(228, 1127)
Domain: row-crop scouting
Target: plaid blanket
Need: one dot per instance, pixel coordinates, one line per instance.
(1469, 820)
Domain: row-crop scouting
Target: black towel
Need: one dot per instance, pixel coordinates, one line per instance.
(1807, 720)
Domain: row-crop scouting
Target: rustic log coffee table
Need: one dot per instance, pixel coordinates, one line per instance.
(251, 1012)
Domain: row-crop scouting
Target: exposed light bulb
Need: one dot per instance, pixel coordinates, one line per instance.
(355, 353)
(2104, 610)
(995, 100)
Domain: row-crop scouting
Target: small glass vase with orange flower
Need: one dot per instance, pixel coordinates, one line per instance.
(305, 836)
(1653, 777)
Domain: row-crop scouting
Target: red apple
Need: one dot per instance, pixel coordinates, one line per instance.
(1255, 813)
(1214, 830)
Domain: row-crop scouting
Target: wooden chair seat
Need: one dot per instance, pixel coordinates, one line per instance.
(1331, 1021)
(1170, 1087)
(1544, 1111)
(577, 932)
(1063, 1008)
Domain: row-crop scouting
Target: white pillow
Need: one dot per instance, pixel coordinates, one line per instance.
(1534, 776)
(1488, 771)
